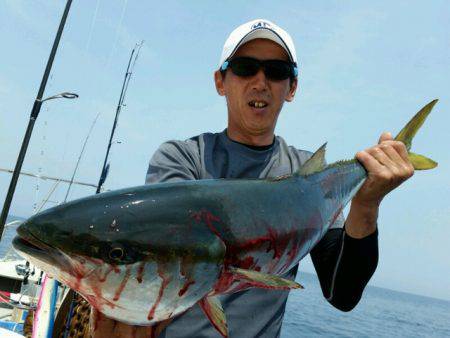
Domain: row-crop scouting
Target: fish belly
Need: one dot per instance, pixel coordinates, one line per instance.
(148, 292)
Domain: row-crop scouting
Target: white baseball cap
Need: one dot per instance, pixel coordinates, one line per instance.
(257, 29)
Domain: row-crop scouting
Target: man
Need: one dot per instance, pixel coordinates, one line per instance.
(257, 74)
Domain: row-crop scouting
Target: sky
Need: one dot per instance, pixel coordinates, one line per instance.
(365, 67)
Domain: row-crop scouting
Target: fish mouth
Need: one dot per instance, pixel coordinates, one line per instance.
(25, 242)
(22, 244)
(51, 259)
(27, 239)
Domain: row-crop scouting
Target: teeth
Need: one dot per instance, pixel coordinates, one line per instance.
(258, 104)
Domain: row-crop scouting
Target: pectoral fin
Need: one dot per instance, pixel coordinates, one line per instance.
(214, 311)
(264, 280)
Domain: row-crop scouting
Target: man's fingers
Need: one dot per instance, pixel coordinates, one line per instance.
(368, 161)
(387, 165)
(100, 326)
(401, 150)
(123, 330)
(386, 136)
(381, 156)
(104, 327)
(393, 155)
(385, 161)
(398, 154)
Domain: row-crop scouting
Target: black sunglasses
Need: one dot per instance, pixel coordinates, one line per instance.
(275, 70)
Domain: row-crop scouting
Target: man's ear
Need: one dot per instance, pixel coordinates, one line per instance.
(218, 79)
(293, 87)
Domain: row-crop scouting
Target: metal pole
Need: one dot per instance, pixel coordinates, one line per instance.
(126, 80)
(33, 116)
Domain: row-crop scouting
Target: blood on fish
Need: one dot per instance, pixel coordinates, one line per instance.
(185, 287)
(278, 243)
(186, 265)
(102, 278)
(283, 246)
(208, 218)
(98, 294)
(122, 284)
(98, 302)
(78, 268)
(248, 263)
(77, 284)
(164, 283)
(79, 275)
(224, 283)
(292, 254)
(140, 272)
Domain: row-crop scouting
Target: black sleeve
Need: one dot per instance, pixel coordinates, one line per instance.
(344, 266)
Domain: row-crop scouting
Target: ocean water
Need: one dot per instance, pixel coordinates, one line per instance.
(380, 313)
(9, 232)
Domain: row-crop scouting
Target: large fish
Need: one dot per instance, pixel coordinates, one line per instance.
(144, 255)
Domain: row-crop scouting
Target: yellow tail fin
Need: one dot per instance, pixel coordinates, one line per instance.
(406, 135)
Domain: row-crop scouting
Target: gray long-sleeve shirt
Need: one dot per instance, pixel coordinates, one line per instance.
(344, 265)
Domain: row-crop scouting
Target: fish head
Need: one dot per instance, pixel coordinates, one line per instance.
(83, 228)
(130, 266)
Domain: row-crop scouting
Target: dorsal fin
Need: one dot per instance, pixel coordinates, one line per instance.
(315, 163)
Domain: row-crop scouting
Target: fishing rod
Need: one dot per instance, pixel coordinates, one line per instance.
(131, 62)
(105, 169)
(33, 116)
(79, 157)
(50, 178)
(57, 180)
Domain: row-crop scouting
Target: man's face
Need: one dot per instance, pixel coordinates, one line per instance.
(244, 119)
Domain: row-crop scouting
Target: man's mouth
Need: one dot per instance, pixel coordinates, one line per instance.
(258, 104)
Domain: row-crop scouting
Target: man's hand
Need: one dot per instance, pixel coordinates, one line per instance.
(104, 327)
(387, 165)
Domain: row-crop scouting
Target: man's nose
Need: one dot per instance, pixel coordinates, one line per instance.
(259, 81)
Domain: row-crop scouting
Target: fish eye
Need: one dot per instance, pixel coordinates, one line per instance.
(117, 253)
